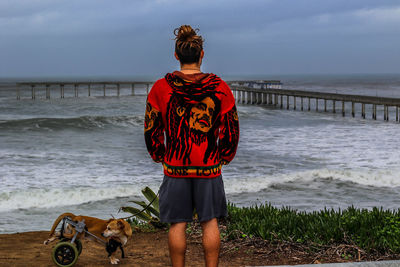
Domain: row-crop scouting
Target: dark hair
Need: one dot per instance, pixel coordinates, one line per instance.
(188, 45)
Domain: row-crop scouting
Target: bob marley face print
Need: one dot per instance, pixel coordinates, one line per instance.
(191, 121)
(201, 114)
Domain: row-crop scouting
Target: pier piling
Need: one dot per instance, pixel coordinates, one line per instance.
(301, 101)
(287, 101)
(343, 109)
(294, 103)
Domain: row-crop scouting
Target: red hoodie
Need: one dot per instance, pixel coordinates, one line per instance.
(191, 124)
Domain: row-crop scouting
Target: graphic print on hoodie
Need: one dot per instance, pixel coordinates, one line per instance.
(191, 124)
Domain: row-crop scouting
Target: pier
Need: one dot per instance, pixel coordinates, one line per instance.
(59, 88)
(303, 100)
(261, 92)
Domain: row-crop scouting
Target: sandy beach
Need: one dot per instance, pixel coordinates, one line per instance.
(151, 249)
(145, 249)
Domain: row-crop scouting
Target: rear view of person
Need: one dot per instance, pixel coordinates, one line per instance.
(192, 128)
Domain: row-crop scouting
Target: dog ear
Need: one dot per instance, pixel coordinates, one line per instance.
(127, 228)
(120, 224)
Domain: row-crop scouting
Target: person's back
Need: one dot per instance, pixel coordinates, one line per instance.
(197, 110)
(192, 127)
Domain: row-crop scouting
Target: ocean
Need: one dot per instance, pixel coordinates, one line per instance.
(87, 155)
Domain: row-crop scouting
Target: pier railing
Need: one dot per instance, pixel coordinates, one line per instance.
(289, 98)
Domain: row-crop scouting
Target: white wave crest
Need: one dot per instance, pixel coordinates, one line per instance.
(48, 198)
(375, 178)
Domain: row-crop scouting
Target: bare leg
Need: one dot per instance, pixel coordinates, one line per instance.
(211, 242)
(177, 244)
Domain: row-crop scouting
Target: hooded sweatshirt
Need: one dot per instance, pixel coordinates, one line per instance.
(191, 124)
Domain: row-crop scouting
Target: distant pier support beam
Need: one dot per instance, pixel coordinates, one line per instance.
(132, 89)
(76, 90)
(294, 103)
(325, 105)
(386, 112)
(33, 91)
(309, 104)
(301, 103)
(316, 104)
(61, 90)
(118, 89)
(89, 89)
(397, 113)
(276, 100)
(374, 111)
(334, 106)
(281, 101)
(270, 99)
(287, 102)
(104, 89)
(343, 109)
(47, 91)
(248, 97)
(352, 109)
(363, 110)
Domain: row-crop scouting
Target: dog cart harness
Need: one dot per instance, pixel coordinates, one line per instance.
(66, 252)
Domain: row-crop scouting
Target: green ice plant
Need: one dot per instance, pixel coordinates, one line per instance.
(151, 214)
(375, 229)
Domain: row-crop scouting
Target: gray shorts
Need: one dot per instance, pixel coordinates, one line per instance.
(180, 196)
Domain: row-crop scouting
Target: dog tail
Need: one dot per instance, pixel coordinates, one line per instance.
(56, 222)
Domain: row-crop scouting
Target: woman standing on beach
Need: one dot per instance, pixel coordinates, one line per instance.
(192, 128)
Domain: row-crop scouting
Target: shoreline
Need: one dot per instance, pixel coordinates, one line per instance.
(26, 248)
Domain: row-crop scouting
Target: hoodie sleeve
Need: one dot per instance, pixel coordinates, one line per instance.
(229, 131)
(154, 130)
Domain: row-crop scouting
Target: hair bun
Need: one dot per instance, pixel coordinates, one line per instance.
(185, 33)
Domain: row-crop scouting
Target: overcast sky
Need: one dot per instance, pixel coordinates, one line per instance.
(135, 37)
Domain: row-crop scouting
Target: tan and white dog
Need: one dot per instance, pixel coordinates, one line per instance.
(117, 229)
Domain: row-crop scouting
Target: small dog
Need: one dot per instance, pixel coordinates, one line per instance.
(117, 229)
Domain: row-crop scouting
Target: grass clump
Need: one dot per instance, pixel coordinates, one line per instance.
(375, 229)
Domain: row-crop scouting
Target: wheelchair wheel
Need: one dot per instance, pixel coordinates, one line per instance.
(77, 242)
(65, 254)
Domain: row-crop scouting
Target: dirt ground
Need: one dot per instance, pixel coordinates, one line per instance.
(150, 249)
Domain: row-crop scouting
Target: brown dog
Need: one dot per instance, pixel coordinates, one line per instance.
(117, 229)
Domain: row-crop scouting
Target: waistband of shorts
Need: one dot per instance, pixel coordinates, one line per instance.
(192, 171)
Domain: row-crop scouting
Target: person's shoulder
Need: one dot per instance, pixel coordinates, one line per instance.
(160, 82)
(224, 88)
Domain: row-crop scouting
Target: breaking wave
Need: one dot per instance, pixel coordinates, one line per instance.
(84, 122)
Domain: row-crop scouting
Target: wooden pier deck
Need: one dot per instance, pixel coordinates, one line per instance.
(290, 98)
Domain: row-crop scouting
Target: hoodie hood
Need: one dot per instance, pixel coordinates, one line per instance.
(192, 84)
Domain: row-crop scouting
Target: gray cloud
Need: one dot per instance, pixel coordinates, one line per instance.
(123, 37)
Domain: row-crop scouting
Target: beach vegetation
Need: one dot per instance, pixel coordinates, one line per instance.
(370, 230)
(146, 214)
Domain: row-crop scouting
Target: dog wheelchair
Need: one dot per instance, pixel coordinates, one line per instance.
(67, 251)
